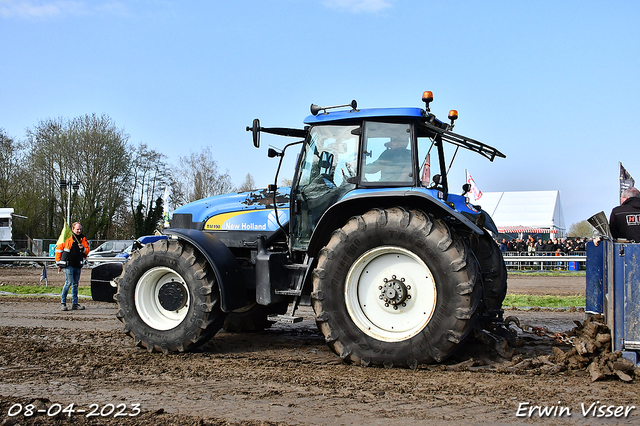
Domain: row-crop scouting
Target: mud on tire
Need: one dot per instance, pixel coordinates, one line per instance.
(395, 287)
(168, 298)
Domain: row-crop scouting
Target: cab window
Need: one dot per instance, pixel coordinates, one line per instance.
(429, 164)
(387, 153)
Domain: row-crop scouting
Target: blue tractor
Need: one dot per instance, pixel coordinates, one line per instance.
(399, 270)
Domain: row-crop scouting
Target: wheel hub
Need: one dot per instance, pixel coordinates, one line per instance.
(172, 296)
(394, 292)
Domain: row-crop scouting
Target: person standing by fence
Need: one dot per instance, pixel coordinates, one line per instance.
(69, 256)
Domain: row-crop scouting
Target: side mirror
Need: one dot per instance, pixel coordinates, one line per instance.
(466, 188)
(255, 132)
(437, 179)
(273, 153)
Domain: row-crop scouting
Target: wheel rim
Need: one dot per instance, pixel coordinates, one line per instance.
(390, 293)
(162, 298)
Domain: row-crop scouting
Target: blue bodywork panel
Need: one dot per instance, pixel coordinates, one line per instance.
(244, 211)
(362, 114)
(613, 274)
(252, 211)
(595, 277)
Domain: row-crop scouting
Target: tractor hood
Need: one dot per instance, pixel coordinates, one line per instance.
(251, 211)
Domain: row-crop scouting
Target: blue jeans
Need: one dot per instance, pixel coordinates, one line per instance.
(72, 278)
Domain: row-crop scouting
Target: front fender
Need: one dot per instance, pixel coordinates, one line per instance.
(223, 263)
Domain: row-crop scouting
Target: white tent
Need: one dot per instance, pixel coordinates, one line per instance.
(525, 212)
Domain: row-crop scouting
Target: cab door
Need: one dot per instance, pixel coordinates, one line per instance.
(326, 171)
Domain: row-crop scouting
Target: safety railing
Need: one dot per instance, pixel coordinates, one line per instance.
(52, 260)
(550, 262)
(512, 260)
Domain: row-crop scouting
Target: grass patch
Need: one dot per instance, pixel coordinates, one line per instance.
(40, 289)
(527, 300)
(517, 300)
(548, 273)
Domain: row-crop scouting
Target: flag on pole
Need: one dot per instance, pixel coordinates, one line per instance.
(477, 194)
(426, 171)
(626, 181)
(66, 233)
(165, 207)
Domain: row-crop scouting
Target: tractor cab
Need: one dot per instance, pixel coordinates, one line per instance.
(366, 151)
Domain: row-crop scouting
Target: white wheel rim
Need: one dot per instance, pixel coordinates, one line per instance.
(148, 303)
(365, 284)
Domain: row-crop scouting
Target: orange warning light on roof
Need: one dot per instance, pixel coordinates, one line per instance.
(427, 96)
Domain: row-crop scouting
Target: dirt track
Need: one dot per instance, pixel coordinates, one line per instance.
(285, 375)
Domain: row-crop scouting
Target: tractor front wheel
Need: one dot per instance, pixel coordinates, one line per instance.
(168, 297)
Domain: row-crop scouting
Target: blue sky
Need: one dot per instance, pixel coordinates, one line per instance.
(553, 85)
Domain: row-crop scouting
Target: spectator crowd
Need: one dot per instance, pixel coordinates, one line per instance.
(553, 246)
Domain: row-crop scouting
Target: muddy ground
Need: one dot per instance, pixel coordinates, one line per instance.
(285, 375)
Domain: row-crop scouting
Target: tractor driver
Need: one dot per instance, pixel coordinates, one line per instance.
(394, 163)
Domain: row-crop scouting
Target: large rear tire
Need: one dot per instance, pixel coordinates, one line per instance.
(168, 298)
(494, 273)
(395, 287)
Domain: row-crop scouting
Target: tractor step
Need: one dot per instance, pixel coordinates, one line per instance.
(289, 292)
(289, 319)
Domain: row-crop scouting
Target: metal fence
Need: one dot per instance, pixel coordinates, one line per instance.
(44, 243)
(513, 261)
(573, 261)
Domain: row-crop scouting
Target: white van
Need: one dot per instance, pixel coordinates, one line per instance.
(111, 248)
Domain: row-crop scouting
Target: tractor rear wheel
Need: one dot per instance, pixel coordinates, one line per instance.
(493, 270)
(168, 298)
(395, 287)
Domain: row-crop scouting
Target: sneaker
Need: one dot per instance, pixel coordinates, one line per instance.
(64, 308)
(77, 307)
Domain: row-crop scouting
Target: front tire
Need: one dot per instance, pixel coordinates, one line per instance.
(395, 287)
(168, 298)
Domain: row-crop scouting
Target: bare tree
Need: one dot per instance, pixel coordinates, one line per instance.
(286, 182)
(12, 169)
(88, 149)
(249, 184)
(103, 162)
(44, 203)
(581, 229)
(197, 177)
(150, 176)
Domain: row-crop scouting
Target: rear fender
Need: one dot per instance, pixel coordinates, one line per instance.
(233, 294)
(341, 211)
